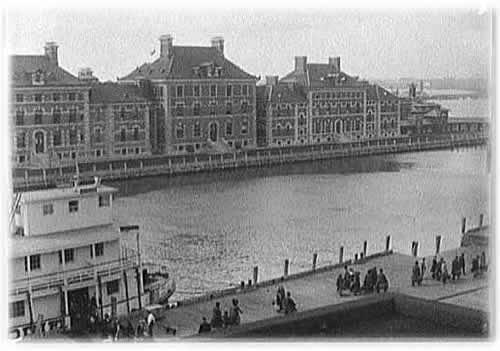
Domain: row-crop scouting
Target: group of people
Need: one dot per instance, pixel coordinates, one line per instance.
(440, 272)
(284, 301)
(479, 265)
(219, 320)
(351, 281)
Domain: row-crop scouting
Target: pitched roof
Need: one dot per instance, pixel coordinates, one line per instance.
(23, 66)
(180, 65)
(376, 92)
(319, 75)
(114, 93)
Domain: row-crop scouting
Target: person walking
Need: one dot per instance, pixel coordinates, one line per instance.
(204, 327)
(290, 305)
(455, 269)
(235, 313)
(434, 267)
(415, 275)
(340, 284)
(461, 262)
(382, 281)
(216, 316)
(151, 321)
(444, 271)
(423, 268)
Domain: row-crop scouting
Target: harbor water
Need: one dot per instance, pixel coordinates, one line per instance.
(212, 229)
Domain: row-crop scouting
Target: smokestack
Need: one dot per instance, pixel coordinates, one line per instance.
(334, 62)
(300, 64)
(51, 52)
(271, 80)
(166, 46)
(218, 43)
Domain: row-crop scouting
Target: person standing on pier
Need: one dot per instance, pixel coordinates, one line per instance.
(423, 268)
(434, 267)
(444, 271)
(204, 327)
(415, 276)
(340, 284)
(382, 282)
(151, 322)
(217, 316)
(290, 305)
(455, 268)
(461, 262)
(235, 313)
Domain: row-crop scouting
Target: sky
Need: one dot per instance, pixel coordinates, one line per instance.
(373, 44)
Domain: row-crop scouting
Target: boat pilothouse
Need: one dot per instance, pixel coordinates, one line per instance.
(67, 262)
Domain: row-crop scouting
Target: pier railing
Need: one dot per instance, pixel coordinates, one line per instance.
(190, 163)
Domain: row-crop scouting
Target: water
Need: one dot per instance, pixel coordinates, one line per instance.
(213, 228)
(467, 107)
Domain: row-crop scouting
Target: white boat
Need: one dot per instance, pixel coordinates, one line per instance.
(67, 262)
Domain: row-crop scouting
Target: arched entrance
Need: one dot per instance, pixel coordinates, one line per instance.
(213, 132)
(39, 142)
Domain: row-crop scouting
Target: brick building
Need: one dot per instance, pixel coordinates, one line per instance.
(202, 102)
(58, 118)
(319, 103)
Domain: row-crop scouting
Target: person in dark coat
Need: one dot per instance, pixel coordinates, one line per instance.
(217, 316)
(455, 269)
(280, 298)
(226, 319)
(461, 262)
(356, 286)
(423, 268)
(415, 275)
(439, 268)
(204, 327)
(434, 267)
(382, 282)
(234, 315)
(290, 305)
(475, 266)
(340, 284)
(483, 267)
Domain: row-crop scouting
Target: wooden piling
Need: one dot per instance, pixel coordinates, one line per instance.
(355, 257)
(414, 248)
(255, 274)
(438, 244)
(287, 263)
(387, 243)
(315, 259)
(365, 247)
(481, 218)
(341, 254)
(464, 222)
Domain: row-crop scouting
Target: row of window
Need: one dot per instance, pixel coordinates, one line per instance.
(73, 205)
(180, 129)
(211, 108)
(237, 144)
(56, 117)
(123, 134)
(339, 95)
(127, 151)
(49, 97)
(197, 90)
(35, 261)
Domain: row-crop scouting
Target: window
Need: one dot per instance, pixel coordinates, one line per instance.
(244, 127)
(72, 115)
(69, 256)
(196, 108)
(180, 91)
(56, 115)
(99, 249)
(244, 90)
(19, 97)
(112, 287)
(179, 109)
(213, 90)
(122, 113)
(19, 117)
(21, 141)
(136, 133)
(229, 107)
(73, 206)
(98, 135)
(17, 309)
(38, 97)
(213, 108)
(80, 97)
(229, 90)
(179, 131)
(197, 90)
(72, 137)
(196, 130)
(71, 96)
(38, 116)
(244, 106)
(104, 200)
(56, 97)
(57, 140)
(229, 128)
(48, 209)
(123, 134)
(35, 263)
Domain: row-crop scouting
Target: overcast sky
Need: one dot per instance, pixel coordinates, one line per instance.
(372, 44)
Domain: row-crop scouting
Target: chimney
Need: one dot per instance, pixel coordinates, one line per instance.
(218, 43)
(51, 52)
(86, 74)
(335, 63)
(166, 46)
(300, 64)
(271, 80)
